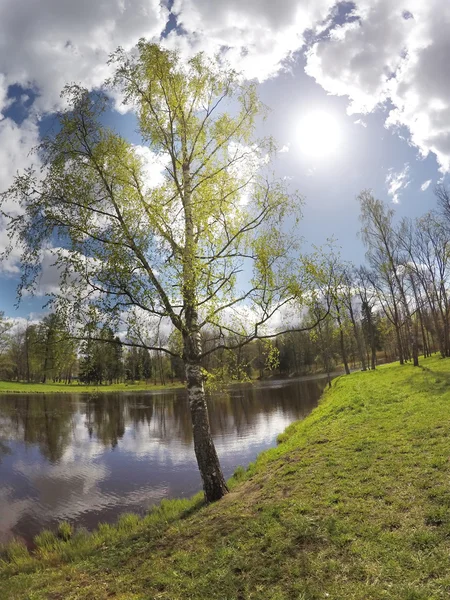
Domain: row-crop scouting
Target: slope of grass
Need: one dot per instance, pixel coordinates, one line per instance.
(353, 504)
(14, 387)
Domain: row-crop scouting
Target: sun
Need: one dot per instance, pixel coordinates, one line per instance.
(319, 134)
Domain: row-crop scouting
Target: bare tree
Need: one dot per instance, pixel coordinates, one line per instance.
(383, 254)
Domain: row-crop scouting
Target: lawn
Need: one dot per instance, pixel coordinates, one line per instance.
(13, 387)
(354, 504)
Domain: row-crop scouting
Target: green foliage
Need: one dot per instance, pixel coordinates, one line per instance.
(46, 540)
(271, 354)
(102, 358)
(65, 531)
(239, 473)
(128, 522)
(16, 551)
(229, 370)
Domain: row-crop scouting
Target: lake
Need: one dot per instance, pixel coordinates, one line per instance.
(86, 459)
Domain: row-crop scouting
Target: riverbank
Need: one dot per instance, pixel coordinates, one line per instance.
(354, 503)
(14, 387)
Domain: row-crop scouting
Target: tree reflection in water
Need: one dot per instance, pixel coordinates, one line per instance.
(87, 458)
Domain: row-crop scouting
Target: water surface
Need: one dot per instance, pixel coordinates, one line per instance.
(87, 459)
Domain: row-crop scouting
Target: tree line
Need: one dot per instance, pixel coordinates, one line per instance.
(45, 352)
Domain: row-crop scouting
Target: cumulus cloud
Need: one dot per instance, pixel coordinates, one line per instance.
(15, 145)
(49, 43)
(256, 35)
(46, 44)
(153, 166)
(425, 185)
(358, 57)
(16, 141)
(382, 54)
(389, 55)
(5, 102)
(397, 181)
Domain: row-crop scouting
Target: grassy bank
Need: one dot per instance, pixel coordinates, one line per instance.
(353, 504)
(13, 387)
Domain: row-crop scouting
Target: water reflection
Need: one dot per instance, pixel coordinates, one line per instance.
(86, 459)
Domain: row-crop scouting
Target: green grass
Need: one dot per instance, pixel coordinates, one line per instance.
(353, 504)
(13, 387)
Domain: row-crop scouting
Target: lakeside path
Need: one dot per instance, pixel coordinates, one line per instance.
(353, 504)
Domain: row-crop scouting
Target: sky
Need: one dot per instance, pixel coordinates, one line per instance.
(359, 93)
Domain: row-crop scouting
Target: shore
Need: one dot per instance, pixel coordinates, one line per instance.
(13, 387)
(354, 503)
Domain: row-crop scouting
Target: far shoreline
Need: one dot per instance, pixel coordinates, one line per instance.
(20, 387)
(13, 387)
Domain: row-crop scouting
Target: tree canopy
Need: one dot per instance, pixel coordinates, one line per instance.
(132, 243)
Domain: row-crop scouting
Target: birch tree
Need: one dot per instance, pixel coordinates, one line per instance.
(203, 246)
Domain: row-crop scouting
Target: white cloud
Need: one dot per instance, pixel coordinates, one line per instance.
(15, 145)
(357, 58)
(256, 35)
(4, 100)
(360, 122)
(47, 44)
(425, 185)
(284, 148)
(9, 265)
(396, 56)
(153, 166)
(386, 54)
(397, 181)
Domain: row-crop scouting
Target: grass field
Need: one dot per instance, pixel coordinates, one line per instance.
(12, 387)
(353, 504)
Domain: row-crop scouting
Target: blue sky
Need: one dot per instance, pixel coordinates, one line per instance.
(376, 68)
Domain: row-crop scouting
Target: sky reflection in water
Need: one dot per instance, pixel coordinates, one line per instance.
(86, 460)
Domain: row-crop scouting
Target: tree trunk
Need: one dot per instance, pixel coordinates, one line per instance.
(399, 344)
(410, 328)
(214, 484)
(373, 357)
(342, 341)
(161, 369)
(426, 349)
(412, 333)
(343, 351)
(419, 315)
(446, 335)
(371, 328)
(359, 345)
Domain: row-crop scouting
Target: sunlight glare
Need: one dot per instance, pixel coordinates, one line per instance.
(319, 134)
